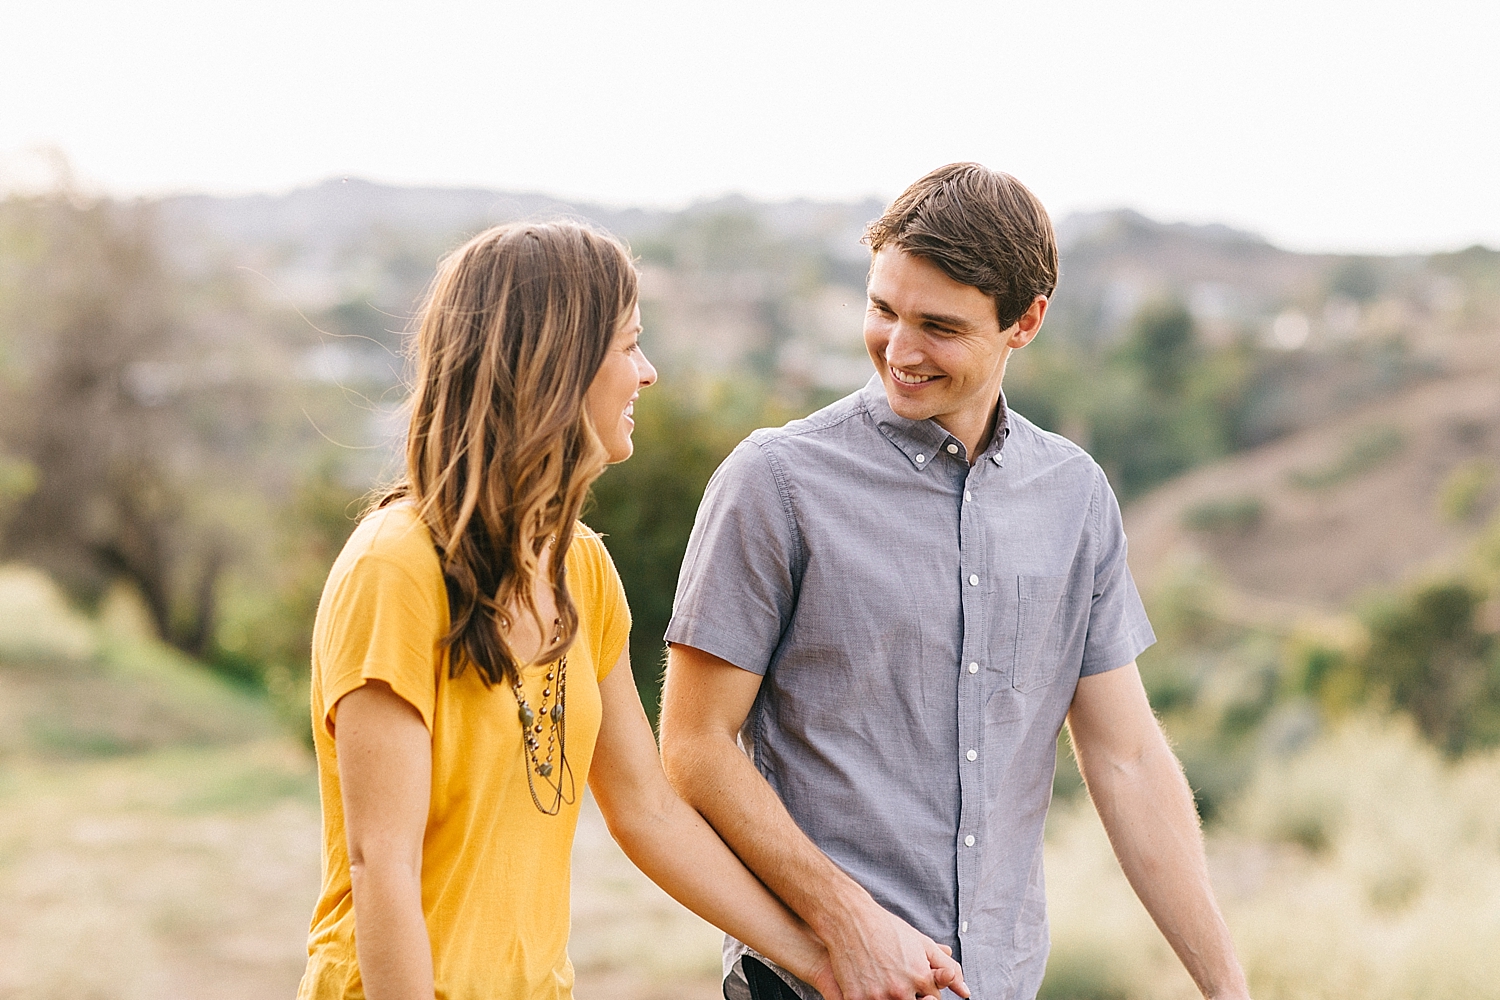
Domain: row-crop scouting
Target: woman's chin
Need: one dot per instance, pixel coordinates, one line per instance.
(620, 451)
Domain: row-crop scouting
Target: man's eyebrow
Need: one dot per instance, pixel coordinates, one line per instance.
(956, 322)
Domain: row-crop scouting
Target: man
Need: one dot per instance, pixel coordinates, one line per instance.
(893, 605)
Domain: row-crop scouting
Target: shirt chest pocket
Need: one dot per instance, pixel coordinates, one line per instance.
(1049, 617)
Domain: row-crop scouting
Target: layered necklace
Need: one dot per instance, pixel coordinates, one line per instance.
(552, 721)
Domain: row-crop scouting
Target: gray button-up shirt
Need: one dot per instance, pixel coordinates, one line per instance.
(921, 624)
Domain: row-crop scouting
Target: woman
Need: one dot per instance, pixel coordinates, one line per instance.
(469, 658)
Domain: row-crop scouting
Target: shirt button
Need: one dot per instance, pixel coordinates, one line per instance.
(963, 928)
(921, 458)
(973, 668)
(972, 755)
(973, 580)
(969, 840)
(968, 496)
(953, 449)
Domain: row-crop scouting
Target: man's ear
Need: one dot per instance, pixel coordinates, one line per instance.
(1026, 328)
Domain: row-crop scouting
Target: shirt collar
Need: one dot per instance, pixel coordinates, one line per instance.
(921, 441)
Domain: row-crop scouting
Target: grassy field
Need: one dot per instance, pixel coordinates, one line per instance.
(159, 838)
(159, 833)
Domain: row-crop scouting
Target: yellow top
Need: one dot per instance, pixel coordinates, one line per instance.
(495, 870)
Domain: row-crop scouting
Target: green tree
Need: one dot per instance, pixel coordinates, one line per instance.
(102, 402)
(1163, 347)
(1430, 656)
(645, 509)
(157, 432)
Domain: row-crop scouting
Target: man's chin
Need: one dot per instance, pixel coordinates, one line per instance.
(908, 408)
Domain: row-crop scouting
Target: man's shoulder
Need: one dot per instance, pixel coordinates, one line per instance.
(815, 428)
(816, 423)
(1042, 450)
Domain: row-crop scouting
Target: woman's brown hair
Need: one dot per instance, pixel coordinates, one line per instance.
(500, 452)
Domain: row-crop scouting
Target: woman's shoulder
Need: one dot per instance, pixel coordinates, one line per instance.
(600, 595)
(393, 534)
(588, 553)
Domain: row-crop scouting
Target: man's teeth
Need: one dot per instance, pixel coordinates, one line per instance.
(910, 379)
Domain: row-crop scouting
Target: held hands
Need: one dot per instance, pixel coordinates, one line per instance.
(875, 955)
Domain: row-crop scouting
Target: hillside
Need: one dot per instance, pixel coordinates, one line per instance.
(1392, 491)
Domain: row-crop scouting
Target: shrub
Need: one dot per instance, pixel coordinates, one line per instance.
(1365, 451)
(1430, 657)
(1464, 491)
(1233, 515)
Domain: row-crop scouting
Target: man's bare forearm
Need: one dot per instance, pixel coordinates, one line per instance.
(1147, 809)
(721, 783)
(875, 955)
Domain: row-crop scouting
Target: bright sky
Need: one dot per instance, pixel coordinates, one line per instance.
(1323, 124)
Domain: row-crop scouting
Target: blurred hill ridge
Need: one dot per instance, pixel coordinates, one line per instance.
(780, 284)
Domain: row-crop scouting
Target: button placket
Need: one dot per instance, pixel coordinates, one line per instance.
(971, 690)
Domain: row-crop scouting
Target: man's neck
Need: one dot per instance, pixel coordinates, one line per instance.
(974, 434)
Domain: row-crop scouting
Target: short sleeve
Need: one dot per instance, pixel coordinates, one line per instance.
(737, 588)
(382, 624)
(608, 606)
(1119, 630)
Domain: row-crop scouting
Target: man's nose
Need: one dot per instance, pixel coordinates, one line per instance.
(904, 346)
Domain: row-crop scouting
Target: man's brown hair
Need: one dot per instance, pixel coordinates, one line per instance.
(981, 227)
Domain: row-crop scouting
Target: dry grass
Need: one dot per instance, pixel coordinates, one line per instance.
(165, 875)
(172, 858)
(159, 835)
(1363, 868)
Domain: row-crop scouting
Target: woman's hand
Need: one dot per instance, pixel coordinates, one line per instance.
(385, 772)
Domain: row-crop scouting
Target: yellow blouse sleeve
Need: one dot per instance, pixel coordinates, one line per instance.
(382, 624)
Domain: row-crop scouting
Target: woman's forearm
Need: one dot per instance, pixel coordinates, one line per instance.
(680, 852)
(390, 933)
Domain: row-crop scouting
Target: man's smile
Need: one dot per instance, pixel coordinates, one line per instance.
(909, 378)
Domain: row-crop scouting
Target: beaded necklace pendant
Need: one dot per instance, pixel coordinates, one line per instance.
(549, 721)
